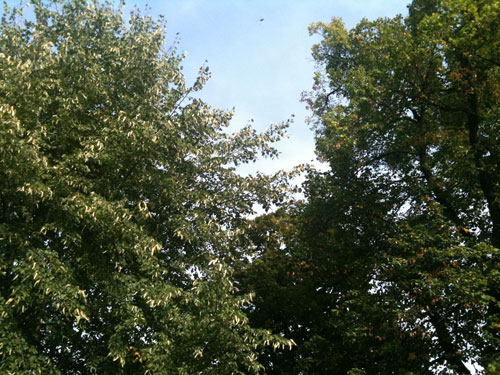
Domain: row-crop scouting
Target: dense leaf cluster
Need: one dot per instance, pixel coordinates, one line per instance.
(119, 203)
(393, 265)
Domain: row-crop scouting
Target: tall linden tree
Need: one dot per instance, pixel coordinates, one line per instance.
(119, 203)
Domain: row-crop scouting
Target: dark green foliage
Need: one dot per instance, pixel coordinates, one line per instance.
(401, 236)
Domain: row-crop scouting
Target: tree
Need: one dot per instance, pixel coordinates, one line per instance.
(403, 230)
(120, 207)
(314, 283)
(409, 108)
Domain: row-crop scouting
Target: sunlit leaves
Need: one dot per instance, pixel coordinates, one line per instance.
(118, 188)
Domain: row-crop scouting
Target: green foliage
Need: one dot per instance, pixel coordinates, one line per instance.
(120, 208)
(407, 112)
(403, 232)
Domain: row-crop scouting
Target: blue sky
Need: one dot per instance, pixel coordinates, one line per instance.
(260, 68)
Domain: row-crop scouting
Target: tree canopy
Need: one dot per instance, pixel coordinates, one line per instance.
(126, 244)
(120, 207)
(396, 250)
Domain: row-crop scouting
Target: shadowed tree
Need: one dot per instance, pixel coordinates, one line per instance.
(400, 237)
